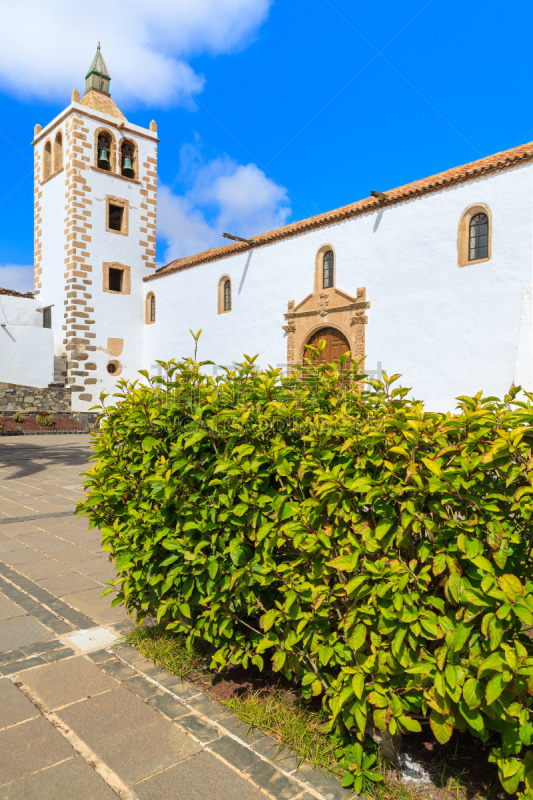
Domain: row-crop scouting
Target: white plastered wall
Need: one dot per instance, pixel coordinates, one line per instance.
(26, 348)
(448, 330)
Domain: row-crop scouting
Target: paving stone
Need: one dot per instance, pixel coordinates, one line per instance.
(59, 655)
(104, 576)
(46, 568)
(322, 782)
(21, 631)
(127, 653)
(280, 756)
(118, 670)
(243, 730)
(8, 609)
(29, 747)
(203, 731)
(99, 656)
(203, 777)
(182, 688)
(234, 753)
(204, 705)
(92, 566)
(68, 681)
(168, 705)
(154, 672)
(42, 647)
(71, 780)
(142, 687)
(67, 584)
(12, 655)
(272, 781)
(14, 705)
(21, 556)
(18, 666)
(91, 602)
(130, 736)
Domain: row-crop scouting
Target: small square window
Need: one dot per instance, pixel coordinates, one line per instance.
(116, 216)
(115, 279)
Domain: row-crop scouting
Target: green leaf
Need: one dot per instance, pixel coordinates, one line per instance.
(473, 691)
(358, 637)
(441, 727)
(268, 619)
(495, 687)
(473, 717)
(358, 684)
(185, 610)
(278, 660)
(409, 724)
(511, 586)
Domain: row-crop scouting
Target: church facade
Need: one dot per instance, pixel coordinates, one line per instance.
(431, 280)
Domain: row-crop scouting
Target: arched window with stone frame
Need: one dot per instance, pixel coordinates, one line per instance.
(149, 316)
(325, 268)
(328, 270)
(224, 295)
(58, 152)
(474, 236)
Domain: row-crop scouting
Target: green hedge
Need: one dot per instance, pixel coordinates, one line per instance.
(378, 552)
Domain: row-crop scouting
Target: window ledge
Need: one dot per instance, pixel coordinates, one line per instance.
(45, 180)
(115, 175)
(476, 261)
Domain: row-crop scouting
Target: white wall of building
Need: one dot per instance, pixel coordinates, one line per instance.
(26, 348)
(448, 330)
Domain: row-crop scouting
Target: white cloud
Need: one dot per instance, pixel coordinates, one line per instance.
(220, 196)
(17, 276)
(46, 46)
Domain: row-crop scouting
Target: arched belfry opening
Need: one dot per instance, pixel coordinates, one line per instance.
(104, 149)
(128, 159)
(47, 160)
(58, 152)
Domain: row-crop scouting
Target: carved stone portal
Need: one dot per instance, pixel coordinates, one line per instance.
(326, 308)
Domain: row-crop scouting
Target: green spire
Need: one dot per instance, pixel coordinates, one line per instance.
(98, 77)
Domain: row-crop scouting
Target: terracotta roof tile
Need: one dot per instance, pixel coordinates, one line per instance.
(484, 166)
(14, 293)
(101, 102)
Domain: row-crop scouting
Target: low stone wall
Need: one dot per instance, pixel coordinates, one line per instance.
(29, 400)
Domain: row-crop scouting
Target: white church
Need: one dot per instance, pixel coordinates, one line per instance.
(431, 280)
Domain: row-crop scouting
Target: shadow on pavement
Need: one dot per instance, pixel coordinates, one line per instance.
(33, 458)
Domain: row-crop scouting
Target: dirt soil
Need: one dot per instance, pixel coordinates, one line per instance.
(29, 424)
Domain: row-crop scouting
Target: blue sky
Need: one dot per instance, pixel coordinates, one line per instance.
(268, 112)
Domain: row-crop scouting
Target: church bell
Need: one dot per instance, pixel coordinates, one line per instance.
(127, 167)
(103, 158)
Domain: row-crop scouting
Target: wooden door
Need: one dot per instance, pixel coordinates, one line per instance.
(336, 344)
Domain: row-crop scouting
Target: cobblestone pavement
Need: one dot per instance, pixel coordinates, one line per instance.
(83, 717)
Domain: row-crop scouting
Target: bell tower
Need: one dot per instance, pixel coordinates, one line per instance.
(95, 186)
